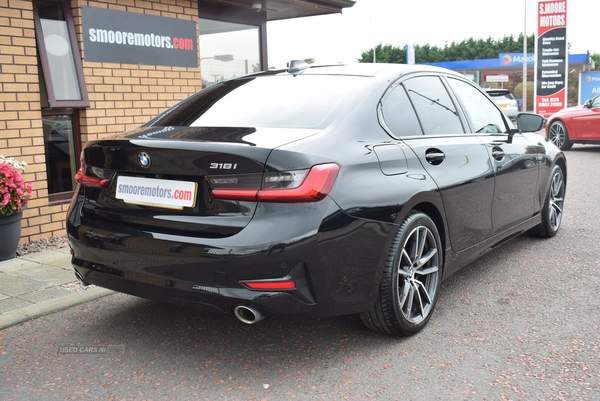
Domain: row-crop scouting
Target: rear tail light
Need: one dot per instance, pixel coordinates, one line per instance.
(298, 186)
(90, 177)
(88, 181)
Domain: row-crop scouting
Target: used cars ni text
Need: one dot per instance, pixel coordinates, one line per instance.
(312, 192)
(580, 124)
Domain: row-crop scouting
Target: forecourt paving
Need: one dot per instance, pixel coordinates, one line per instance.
(40, 283)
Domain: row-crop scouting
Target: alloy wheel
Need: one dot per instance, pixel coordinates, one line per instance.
(418, 273)
(557, 134)
(557, 192)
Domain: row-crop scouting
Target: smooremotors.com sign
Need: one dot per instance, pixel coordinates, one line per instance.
(112, 36)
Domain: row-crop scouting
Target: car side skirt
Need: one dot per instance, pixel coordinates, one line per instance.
(455, 261)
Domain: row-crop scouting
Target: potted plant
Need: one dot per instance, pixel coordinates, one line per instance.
(14, 195)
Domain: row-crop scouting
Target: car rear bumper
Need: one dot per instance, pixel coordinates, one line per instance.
(511, 112)
(319, 256)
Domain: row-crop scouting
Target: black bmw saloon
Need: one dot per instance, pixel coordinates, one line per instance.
(313, 191)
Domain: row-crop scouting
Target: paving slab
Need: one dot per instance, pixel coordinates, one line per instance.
(15, 285)
(45, 295)
(11, 304)
(45, 273)
(40, 283)
(15, 263)
(54, 258)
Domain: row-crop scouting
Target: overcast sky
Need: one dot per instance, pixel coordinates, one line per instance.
(343, 37)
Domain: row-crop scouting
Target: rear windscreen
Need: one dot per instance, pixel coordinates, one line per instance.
(280, 101)
(501, 94)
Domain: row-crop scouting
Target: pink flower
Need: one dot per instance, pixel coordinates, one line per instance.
(14, 193)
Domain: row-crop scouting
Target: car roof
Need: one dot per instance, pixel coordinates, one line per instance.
(379, 70)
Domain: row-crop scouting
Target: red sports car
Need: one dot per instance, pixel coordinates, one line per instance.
(579, 124)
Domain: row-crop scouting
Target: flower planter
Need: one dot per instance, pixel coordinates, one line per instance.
(10, 234)
(14, 195)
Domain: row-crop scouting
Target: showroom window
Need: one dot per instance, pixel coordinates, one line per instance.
(62, 92)
(228, 50)
(233, 40)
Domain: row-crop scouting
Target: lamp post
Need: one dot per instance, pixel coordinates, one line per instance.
(374, 55)
(525, 58)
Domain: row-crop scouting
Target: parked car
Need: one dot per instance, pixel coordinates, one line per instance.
(506, 101)
(580, 124)
(310, 192)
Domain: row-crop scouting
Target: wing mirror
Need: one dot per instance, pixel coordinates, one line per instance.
(530, 122)
(588, 104)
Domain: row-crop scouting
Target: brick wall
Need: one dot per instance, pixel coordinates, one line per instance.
(21, 133)
(122, 96)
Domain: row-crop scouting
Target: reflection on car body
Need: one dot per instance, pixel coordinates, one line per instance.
(356, 189)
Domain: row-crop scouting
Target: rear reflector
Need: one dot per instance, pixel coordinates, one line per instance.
(314, 188)
(271, 285)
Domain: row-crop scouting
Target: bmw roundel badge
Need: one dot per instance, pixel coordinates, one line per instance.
(144, 159)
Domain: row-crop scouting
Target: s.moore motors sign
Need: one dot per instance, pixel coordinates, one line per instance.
(112, 36)
(551, 58)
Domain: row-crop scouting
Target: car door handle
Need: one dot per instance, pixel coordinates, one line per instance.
(434, 156)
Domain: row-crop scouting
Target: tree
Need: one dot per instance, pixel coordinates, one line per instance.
(468, 49)
(596, 58)
(384, 54)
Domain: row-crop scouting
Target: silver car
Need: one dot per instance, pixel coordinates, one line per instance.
(506, 101)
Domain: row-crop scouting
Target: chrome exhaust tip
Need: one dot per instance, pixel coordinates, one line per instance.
(80, 278)
(247, 314)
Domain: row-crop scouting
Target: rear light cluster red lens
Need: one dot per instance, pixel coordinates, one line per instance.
(299, 186)
(88, 180)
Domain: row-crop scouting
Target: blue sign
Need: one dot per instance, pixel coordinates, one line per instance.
(410, 54)
(589, 85)
(510, 59)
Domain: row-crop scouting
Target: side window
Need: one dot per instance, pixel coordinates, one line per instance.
(399, 114)
(433, 105)
(483, 113)
(596, 102)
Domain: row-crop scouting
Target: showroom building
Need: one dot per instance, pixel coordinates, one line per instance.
(75, 71)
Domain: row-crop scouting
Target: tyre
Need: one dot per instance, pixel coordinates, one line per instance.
(559, 136)
(411, 279)
(552, 211)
